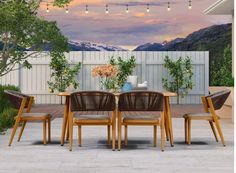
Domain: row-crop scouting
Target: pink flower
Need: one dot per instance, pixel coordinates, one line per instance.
(108, 71)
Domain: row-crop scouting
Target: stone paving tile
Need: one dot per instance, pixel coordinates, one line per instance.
(95, 156)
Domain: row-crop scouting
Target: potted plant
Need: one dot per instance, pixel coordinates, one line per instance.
(125, 69)
(63, 75)
(181, 76)
(108, 75)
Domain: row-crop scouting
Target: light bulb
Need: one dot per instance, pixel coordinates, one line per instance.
(148, 9)
(127, 8)
(107, 11)
(189, 5)
(86, 9)
(47, 8)
(67, 10)
(168, 8)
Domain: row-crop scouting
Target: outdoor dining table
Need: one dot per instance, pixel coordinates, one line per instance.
(67, 123)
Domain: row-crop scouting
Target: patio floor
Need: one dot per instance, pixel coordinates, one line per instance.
(95, 156)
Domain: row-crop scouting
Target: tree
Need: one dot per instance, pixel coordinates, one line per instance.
(62, 74)
(222, 75)
(21, 29)
(181, 76)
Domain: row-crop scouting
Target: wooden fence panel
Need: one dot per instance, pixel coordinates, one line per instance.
(149, 68)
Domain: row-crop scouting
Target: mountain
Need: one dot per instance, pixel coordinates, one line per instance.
(84, 46)
(88, 46)
(212, 38)
(158, 46)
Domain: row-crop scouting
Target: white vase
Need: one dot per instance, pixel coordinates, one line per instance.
(133, 80)
(70, 89)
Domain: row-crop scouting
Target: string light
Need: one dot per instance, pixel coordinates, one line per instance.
(189, 4)
(47, 8)
(168, 8)
(107, 11)
(67, 10)
(148, 9)
(86, 9)
(127, 8)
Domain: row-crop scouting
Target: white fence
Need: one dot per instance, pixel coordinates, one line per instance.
(149, 67)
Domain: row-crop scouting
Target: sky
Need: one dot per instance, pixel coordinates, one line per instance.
(128, 30)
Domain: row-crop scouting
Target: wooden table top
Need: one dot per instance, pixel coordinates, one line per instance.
(166, 94)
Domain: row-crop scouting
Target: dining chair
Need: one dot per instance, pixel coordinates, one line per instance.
(141, 108)
(211, 104)
(23, 103)
(90, 108)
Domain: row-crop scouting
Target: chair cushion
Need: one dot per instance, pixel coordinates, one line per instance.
(151, 116)
(92, 118)
(200, 116)
(35, 116)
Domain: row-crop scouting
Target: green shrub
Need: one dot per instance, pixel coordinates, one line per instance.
(7, 113)
(7, 118)
(221, 69)
(4, 103)
(181, 72)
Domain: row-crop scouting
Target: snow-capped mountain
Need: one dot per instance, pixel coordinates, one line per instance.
(88, 46)
(203, 39)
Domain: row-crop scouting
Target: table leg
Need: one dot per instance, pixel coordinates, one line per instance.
(67, 130)
(70, 119)
(169, 119)
(166, 122)
(64, 122)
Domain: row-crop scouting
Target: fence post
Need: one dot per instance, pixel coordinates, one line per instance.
(144, 65)
(206, 72)
(82, 70)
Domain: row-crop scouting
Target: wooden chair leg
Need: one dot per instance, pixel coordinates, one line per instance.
(154, 136)
(21, 131)
(189, 131)
(162, 133)
(114, 135)
(67, 131)
(119, 131)
(49, 130)
(219, 131)
(79, 135)
(44, 132)
(166, 130)
(126, 135)
(13, 132)
(186, 129)
(109, 135)
(213, 130)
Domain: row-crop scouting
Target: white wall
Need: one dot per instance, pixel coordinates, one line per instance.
(149, 67)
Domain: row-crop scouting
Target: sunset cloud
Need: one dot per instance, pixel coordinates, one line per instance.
(133, 28)
(139, 14)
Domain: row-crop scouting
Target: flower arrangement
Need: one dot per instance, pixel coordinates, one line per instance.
(108, 74)
(108, 71)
